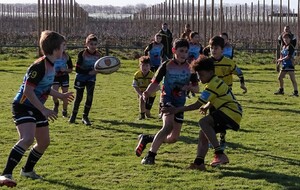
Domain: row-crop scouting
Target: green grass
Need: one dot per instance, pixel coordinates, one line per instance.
(264, 154)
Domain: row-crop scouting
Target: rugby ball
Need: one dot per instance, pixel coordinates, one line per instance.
(107, 65)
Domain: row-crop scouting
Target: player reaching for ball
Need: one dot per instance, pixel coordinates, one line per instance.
(177, 79)
(85, 78)
(29, 112)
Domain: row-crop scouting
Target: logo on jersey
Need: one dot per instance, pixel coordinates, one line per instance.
(205, 95)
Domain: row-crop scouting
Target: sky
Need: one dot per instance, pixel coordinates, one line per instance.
(293, 3)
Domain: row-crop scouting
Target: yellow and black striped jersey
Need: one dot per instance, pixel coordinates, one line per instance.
(225, 68)
(140, 81)
(220, 96)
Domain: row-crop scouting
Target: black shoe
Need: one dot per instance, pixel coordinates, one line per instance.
(143, 141)
(295, 93)
(142, 116)
(279, 92)
(72, 118)
(148, 160)
(86, 121)
(64, 113)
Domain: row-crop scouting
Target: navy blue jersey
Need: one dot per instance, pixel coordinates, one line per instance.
(40, 75)
(85, 64)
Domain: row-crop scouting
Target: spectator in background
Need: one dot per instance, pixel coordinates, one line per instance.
(167, 39)
(187, 31)
(287, 29)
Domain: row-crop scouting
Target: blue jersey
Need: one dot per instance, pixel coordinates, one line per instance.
(287, 64)
(40, 75)
(194, 51)
(63, 63)
(155, 51)
(228, 51)
(174, 77)
(85, 64)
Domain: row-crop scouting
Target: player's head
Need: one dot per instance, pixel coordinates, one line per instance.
(204, 67)
(194, 37)
(216, 44)
(164, 26)
(224, 35)
(287, 29)
(157, 38)
(286, 36)
(144, 64)
(187, 27)
(91, 42)
(52, 43)
(180, 49)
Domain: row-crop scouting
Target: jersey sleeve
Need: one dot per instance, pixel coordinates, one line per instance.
(160, 73)
(207, 95)
(135, 81)
(35, 74)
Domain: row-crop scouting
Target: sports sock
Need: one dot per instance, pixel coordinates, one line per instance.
(14, 158)
(218, 150)
(199, 160)
(151, 154)
(149, 138)
(33, 158)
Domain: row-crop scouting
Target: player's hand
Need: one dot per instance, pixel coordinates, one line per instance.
(203, 109)
(69, 96)
(244, 88)
(49, 114)
(145, 96)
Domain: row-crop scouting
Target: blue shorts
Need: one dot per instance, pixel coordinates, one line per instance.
(62, 81)
(26, 114)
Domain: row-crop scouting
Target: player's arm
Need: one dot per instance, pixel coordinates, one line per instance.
(174, 110)
(63, 96)
(136, 87)
(70, 64)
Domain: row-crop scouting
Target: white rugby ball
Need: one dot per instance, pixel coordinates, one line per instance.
(107, 64)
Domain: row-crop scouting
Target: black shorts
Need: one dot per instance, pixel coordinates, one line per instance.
(178, 117)
(82, 84)
(62, 81)
(223, 122)
(25, 114)
(149, 103)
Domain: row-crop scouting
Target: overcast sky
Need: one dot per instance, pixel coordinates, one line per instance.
(293, 3)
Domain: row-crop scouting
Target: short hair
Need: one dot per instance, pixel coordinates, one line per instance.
(50, 41)
(203, 64)
(144, 60)
(217, 41)
(165, 23)
(158, 34)
(192, 34)
(180, 42)
(91, 37)
(187, 25)
(224, 34)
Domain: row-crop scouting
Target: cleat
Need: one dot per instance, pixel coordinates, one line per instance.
(200, 167)
(219, 159)
(148, 160)
(141, 117)
(295, 93)
(72, 118)
(279, 92)
(141, 144)
(31, 174)
(64, 113)
(7, 180)
(85, 120)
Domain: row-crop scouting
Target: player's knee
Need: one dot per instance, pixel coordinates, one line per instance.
(172, 139)
(27, 141)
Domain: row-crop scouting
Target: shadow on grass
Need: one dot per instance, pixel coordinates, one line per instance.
(66, 184)
(275, 109)
(288, 181)
(280, 103)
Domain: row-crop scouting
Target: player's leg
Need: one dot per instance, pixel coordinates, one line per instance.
(142, 108)
(65, 88)
(90, 87)
(202, 150)
(294, 82)
(175, 133)
(37, 151)
(281, 76)
(148, 106)
(159, 138)
(79, 87)
(55, 86)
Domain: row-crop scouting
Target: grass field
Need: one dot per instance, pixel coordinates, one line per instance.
(264, 154)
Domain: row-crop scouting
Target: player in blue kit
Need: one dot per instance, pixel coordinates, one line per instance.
(177, 79)
(195, 47)
(29, 113)
(85, 78)
(63, 67)
(155, 51)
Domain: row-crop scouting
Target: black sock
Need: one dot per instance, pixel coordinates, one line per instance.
(149, 138)
(33, 158)
(14, 158)
(218, 150)
(151, 154)
(199, 160)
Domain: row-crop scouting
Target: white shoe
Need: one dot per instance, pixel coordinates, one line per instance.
(31, 174)
(7, 180)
